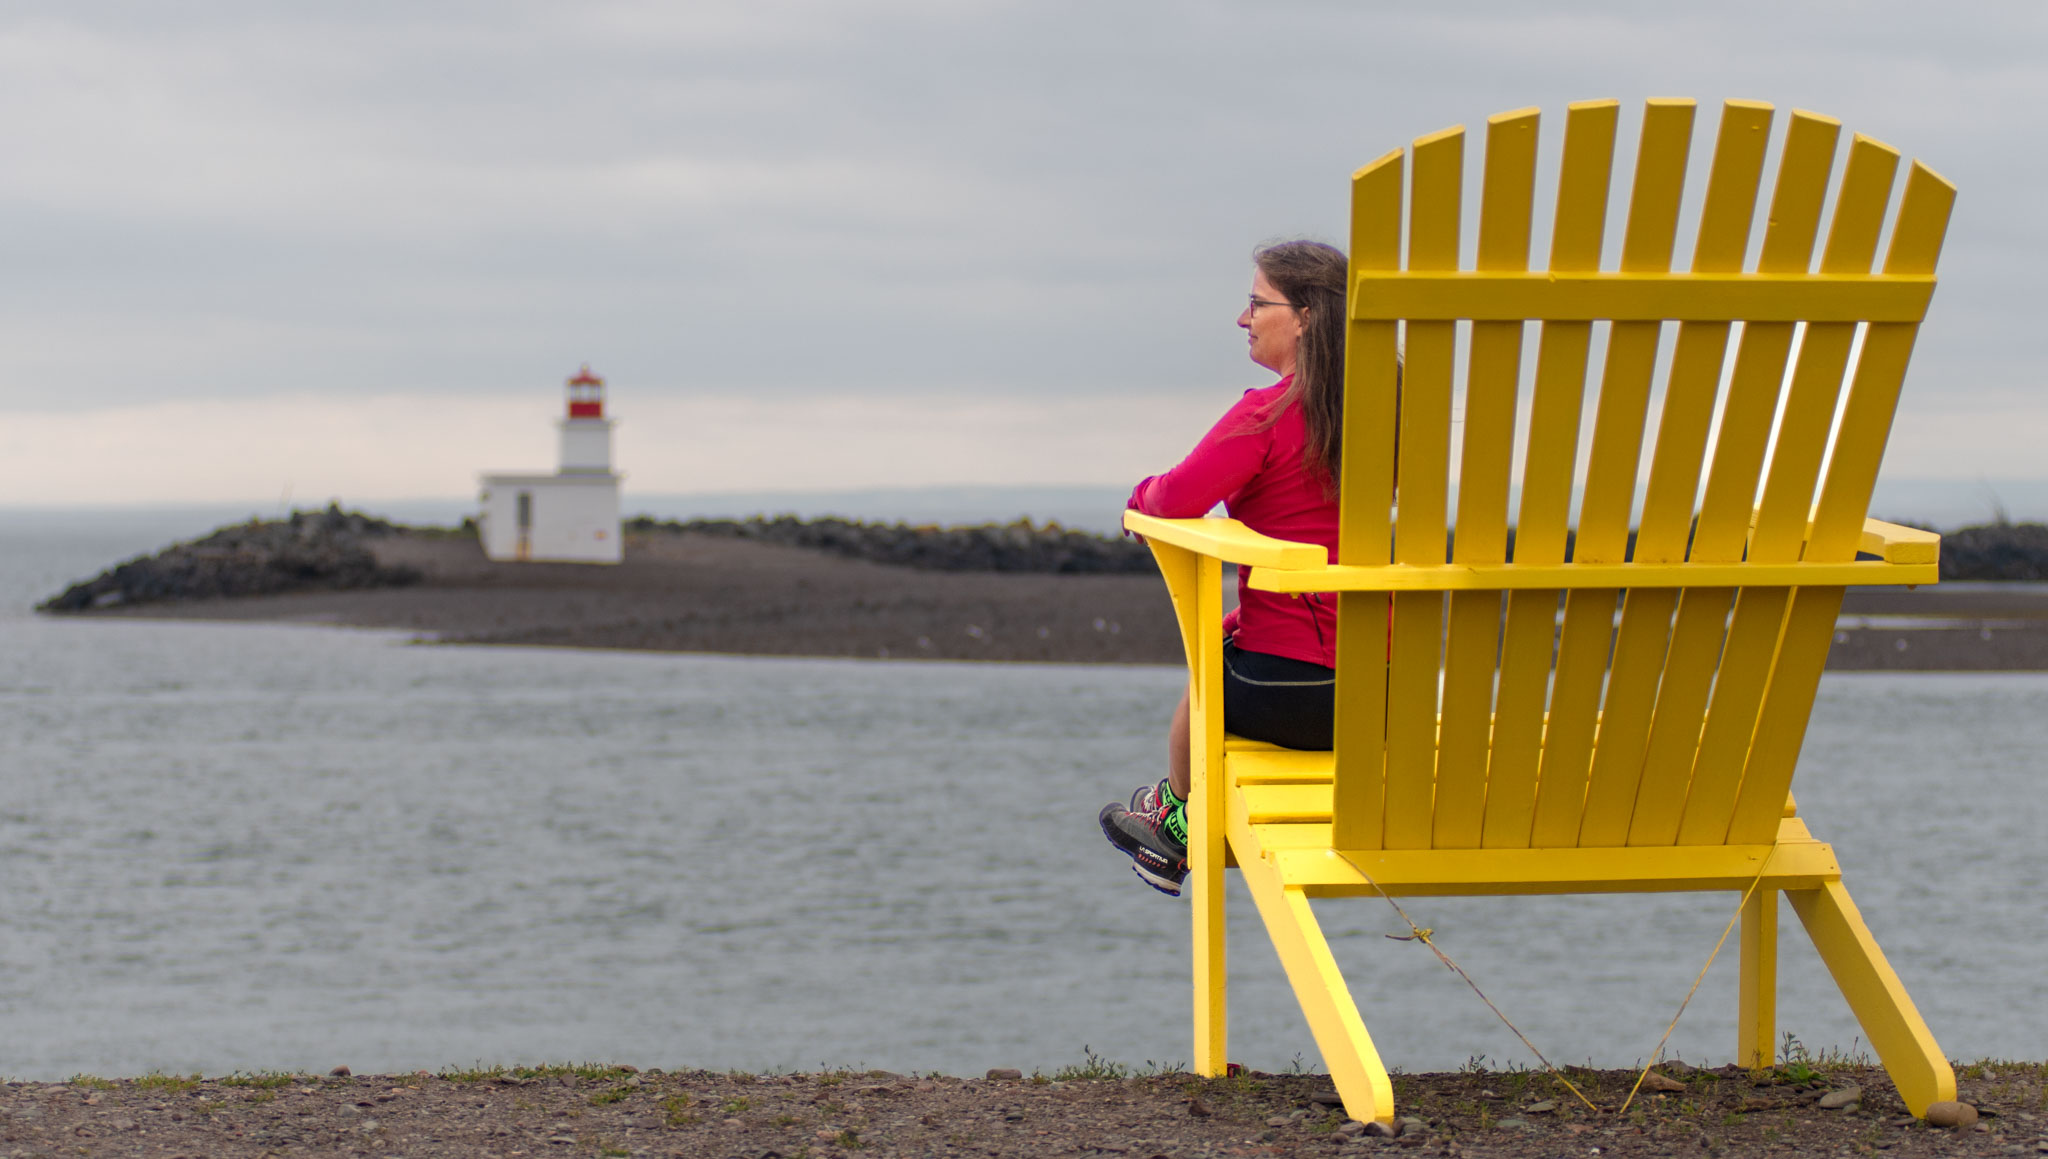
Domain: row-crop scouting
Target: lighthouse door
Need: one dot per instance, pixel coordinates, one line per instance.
(524, 548)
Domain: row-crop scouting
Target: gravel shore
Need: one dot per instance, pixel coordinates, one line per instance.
(1091, 1111)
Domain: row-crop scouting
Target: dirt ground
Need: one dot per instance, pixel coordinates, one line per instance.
(618, 1111)
(692, 593)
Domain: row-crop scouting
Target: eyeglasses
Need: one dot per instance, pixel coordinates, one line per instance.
(1257, 301)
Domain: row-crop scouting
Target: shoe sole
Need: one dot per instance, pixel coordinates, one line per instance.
(1155, 878)
(1164, 885)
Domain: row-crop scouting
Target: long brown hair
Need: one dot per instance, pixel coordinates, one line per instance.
(1313, 277)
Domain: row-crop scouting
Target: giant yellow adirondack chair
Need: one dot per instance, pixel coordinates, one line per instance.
(1645, 739)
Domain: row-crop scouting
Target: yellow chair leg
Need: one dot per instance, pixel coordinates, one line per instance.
(1205, 883)
(1205, 823)
(1348, 1053)
(1889, 1019)
(1756, 1036)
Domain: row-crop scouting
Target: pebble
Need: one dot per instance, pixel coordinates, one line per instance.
(1005, 1072)
(1512, 1125)
(1679, 1068)
(1949, 1113)
(734, 1123)
(1379, 1130)
(1413, 1126)
(1198, 1108)
(341, 1072)
(1542, 1108)
(1351, 1127)
(1836, 1100)
(1653, 1081)
(1278, 1121)
(1326, 1098)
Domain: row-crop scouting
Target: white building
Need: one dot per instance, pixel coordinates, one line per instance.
(572, 515)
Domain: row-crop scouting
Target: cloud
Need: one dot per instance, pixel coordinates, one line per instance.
(311, 448)
(806, 199)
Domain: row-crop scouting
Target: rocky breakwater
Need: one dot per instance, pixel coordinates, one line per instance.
(1013, 547)
(1997, 551)
(313, 550)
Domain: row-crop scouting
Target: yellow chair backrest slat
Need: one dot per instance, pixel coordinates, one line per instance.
(1365, 529)
(1471, 647)
(1645, 716)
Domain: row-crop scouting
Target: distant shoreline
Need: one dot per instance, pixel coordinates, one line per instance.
(786, 588)
(681, 591)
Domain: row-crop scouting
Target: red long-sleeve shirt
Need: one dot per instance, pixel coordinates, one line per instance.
(1255, 469)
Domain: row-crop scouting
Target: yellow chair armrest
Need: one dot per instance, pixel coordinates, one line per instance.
(1896, 544)
(1229, 541)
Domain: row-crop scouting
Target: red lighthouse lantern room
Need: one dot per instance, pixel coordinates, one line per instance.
(586, 395)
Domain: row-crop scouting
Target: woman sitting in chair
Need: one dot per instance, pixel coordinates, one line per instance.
(1272, 462)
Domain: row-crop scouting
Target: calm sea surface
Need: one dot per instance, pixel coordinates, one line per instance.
(248, 847)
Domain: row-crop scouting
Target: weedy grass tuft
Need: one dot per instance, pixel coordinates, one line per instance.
(1798, 1065)
(476, 1074)
(587, 1071)
(263, 1080)
(676, 1110)
(157, 1080)
(93, 1082)
(1092, 1068)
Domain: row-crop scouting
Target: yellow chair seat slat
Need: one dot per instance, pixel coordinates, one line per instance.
(1287, 804)
(1300, 853)
(1645, 738)
(1276, 766)
(1478, 872)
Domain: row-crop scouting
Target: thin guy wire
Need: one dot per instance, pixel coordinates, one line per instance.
(1725, 931)
(1423, 935)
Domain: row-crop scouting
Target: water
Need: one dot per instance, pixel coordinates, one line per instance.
(253, 847)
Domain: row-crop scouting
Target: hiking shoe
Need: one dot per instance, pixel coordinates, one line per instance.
(1157, 857)
(1148, 798)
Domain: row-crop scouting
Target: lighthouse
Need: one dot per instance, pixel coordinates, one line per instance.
(571, 516)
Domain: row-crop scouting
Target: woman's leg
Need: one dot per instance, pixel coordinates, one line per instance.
(1278, 699)
(1177, 759)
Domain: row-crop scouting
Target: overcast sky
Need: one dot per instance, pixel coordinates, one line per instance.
(353, 249)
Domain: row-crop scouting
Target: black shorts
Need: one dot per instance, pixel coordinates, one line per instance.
(1278, 699)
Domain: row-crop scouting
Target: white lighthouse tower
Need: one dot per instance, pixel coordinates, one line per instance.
(571, 516)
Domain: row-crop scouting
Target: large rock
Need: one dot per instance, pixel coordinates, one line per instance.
(311, 550)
